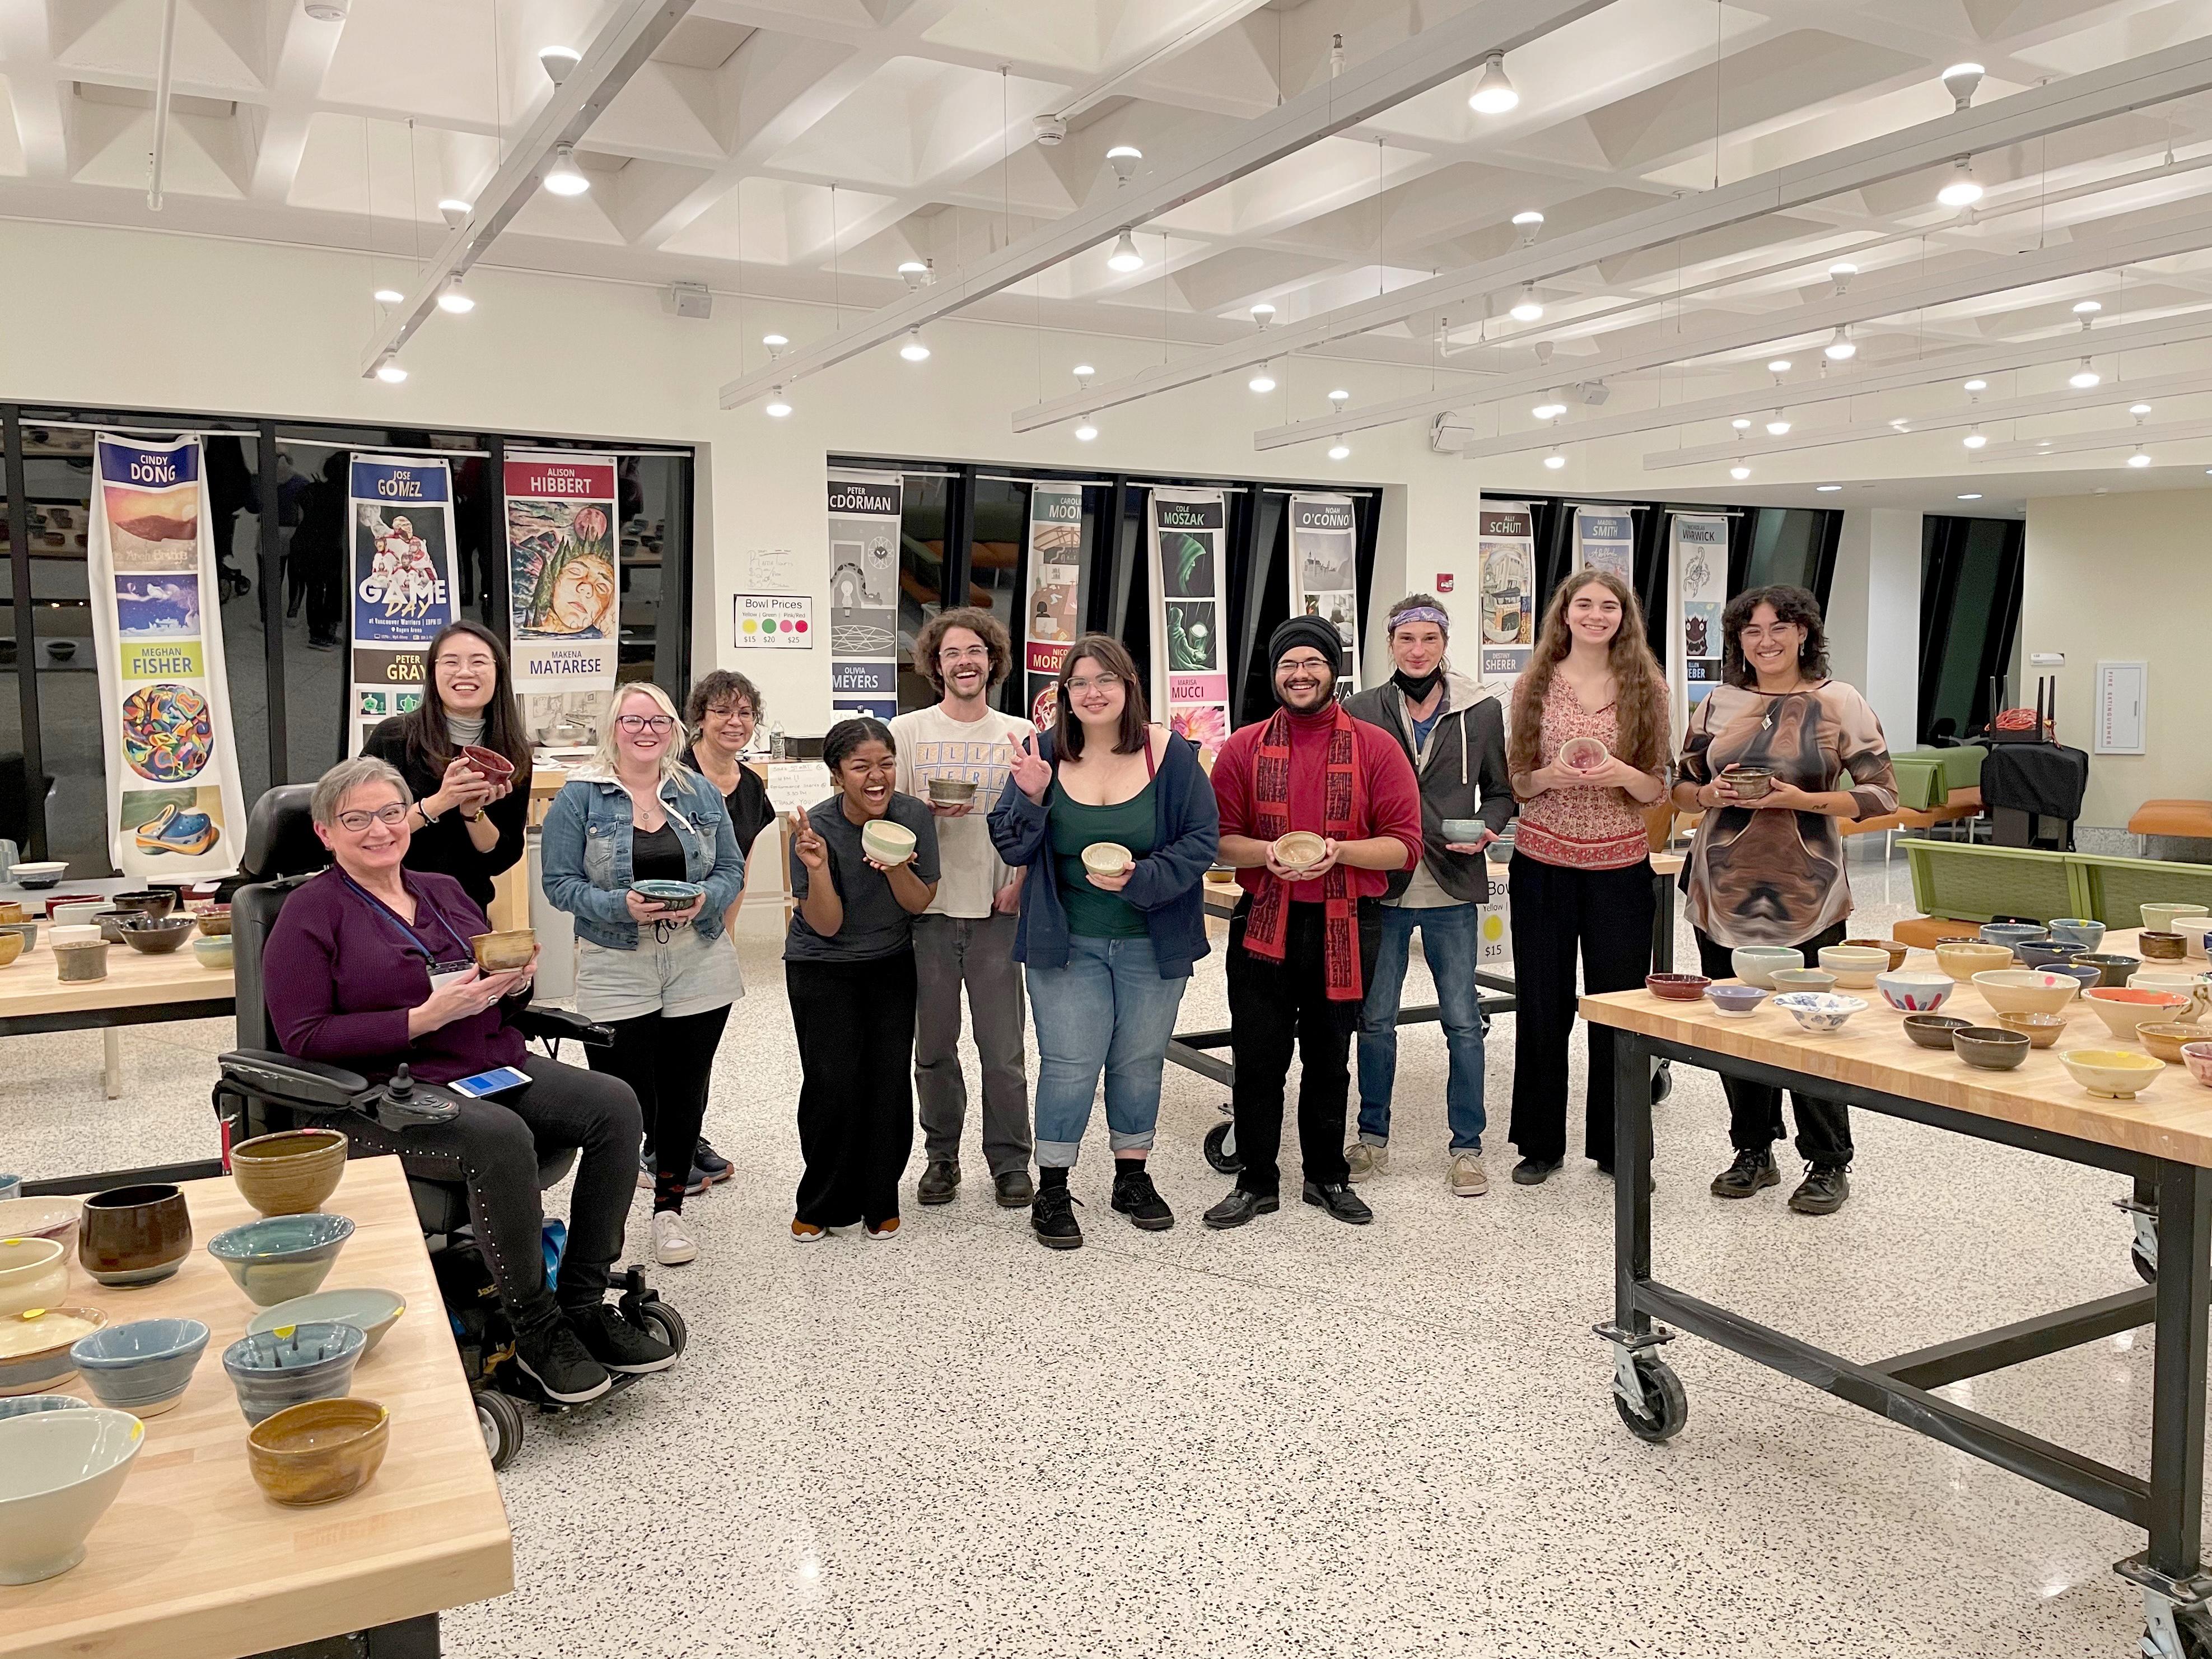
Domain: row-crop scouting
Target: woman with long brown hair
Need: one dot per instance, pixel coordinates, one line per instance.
(1588, 754)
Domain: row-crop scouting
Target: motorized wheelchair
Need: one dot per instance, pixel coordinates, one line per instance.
(261, 1090)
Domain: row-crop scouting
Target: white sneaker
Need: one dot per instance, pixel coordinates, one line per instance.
(672, 1244)
(1366, 1160)
(1467, 1178)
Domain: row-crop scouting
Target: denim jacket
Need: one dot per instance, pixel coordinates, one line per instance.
(585, 851)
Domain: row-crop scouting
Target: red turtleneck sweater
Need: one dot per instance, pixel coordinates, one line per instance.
(1389, 796)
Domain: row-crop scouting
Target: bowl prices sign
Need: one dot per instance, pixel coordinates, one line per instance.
(778, 621)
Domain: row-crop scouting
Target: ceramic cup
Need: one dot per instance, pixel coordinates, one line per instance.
(11, 1186)
(2159, 918)
(134, 1234)
(81, 960)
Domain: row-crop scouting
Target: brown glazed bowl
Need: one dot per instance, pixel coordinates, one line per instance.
(156, 936)
(1990, 1047)
(1301, 847)
(289, 1173)
(2162, 947)
(11, 946)
(320, 1450)
(1677, 987)
(504, 953)
(156, 902)
(2164, 1038)
(1749, 782)
(134, 1234)
(2113, 971)
(1933, 1030)
(2041, 1031)
(214, 922)
(1897, 951)
(487, 763)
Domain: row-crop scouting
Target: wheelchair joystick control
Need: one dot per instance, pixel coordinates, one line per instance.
(402, 1103)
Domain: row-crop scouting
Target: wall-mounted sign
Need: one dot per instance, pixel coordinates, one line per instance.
(1697, 592)
(1051, 619)
(784, 621)
(1605, 540)
(1190, 674)
(1324, 574)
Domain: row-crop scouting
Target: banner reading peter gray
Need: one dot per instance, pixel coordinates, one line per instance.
(1324, 573)
(563, 596)
(864, 568)
(175, 808)
(400, 527)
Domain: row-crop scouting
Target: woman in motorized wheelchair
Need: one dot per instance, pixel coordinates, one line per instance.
(369, 966)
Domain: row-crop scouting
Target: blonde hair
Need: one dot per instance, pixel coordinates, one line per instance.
(604, 759)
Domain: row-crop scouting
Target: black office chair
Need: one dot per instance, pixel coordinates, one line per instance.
(260, 1090)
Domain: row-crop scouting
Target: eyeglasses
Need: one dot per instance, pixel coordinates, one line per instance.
(1101, 682)
(743, 711)
(655, 724)
(1308, 663)
(971, 653)
(391, 816)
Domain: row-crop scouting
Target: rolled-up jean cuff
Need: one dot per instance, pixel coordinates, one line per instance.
(1130, 1140)
(1367, 1139)
(1057, 1154)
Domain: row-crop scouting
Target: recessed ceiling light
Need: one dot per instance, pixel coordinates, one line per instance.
(1494, 93)
(1739, 473)
(778, 405)
(1339, 450)
(1526, 309)
(1827, 490)
(1125, 256)
(914, 351)
(564, 177)
(1842, 348)
(1963, 189)
(389, 296)
(455, 299)
(1972, 498)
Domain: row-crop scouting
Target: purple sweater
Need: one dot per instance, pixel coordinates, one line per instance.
(339, 979)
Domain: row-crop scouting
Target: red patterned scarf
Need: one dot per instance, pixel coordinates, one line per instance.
(1267, 924)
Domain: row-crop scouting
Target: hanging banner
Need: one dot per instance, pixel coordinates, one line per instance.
(1324, 573)
(1190, 676)
(1605, 540)
(1506, 542)
(1696, 588)
(1050, 617)
(863, 561)
(563, 596)
(175, 808)
(406, 587)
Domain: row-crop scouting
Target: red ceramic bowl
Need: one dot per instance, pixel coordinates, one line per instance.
(489, 762)
(1677, 987)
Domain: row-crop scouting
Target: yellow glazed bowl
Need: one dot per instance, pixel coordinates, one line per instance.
(1966, 959)
(1855, 965)
(2112, 1073)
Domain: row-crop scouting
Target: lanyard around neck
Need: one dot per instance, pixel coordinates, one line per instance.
(407, 933)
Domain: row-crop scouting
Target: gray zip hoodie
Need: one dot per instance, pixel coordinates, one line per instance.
(1462, 772)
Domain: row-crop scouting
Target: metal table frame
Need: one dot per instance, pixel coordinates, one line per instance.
(2172, 1202)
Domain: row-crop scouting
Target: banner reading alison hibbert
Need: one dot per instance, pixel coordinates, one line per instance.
(175, 809)
(1055, 587)
(863, 564)
(1190, 676)
(1324, 573)
(400, 528)
(563, 622)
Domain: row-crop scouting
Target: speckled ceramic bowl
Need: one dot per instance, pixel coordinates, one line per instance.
(1820, 1013)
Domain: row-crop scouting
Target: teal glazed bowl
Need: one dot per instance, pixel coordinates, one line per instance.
(29, 1405)
(271, 1369)
(143, 1367)
(281, 1256)
(667, 895)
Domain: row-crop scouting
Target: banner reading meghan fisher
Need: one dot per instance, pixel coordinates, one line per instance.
(400, 528)
(563, 617)
(864, 568)
(1190, 676)
(1055, 583)
(175, 808)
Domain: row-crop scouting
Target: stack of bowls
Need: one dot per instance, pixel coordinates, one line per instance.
(1754, 964)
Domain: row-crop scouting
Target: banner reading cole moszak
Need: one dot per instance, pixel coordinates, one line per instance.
(1696, 588)
(400, 528)
(1506, 585)
(864, 563)
(1049, 623)
(1190, 677)
(564, 622)
(1324, 573)
(175, 809)
(1605, 540)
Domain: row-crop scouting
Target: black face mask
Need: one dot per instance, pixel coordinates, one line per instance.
(1418, 690)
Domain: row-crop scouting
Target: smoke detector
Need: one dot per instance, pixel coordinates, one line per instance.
(327, 11)
(1049, 130)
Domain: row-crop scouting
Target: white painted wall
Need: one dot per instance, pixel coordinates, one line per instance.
(1874, 616)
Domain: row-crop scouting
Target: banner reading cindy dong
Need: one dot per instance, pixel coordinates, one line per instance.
(400, 529)
(563, 594)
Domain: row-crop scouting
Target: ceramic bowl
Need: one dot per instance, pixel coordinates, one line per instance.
(2026, 990)
(39, 873)
(156, 936)
(2114, 1074)
(317, 1452)
(374, 1312)
(2045, 952)
(504, 951)
(1465, 831)
(1299, 848)
(281, 1256)
(1895, 950)
(80, 960)
(2162, 947)
(1735, 1001)
(289, 1173)
(2159, 918)
(487, 763)
(1963, 962)
(1749, 782)
(33, 1274)
(77, 933)
(110, 922)
(2084, 977)
(2129, 1006)
(1916, 991)
(1107, 858)
(144, 1367)
(30, 1405)
(2077, 930)
(134, 1234)
(25, 931)
(2111, 970)
(154, 902)
(1802, 979)
(2041, 1031)
(672, 894)
(11, 946)
(888, 844)
(1583, 754)
(215, 954)
(2197, 1057)
(59, 1471)
(1989, 1046)
(2164, 1038)
(1933, 1030)
(1855, 965)
(2009, 934)
(1819, 1011)
(214, 922)
(11, 910)
(271, 1369)
(34, 1346)
(40, 1217)
(2193, 930)
(1677, 987)
(1754, 964)
(951, 791)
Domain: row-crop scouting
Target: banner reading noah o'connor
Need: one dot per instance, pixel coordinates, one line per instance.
(563, 593)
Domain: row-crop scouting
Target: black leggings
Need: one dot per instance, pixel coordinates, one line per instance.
(494, 1147)
(668, 1061)
(1824, 1126)
(855, 1026)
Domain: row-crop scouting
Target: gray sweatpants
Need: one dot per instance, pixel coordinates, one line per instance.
(949, 952)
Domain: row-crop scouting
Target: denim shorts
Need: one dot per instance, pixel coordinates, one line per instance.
(684, 973)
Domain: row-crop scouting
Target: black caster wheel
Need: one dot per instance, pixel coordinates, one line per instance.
(665, 1322)
(1662, 1082)
(2146, 1269)
(501, 1421)
(1663, 1389)
(1216, 1153)
(2195, 1637)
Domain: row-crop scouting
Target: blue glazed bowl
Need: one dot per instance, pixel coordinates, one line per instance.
(25, 1405)
(1737, 999)
(2089, 975)
(2009, 934)
(281, 1256)
(1819, 1011)
(2078, 930)
(143, 1367)
(667, 895)
(271, 1369)
(2045, 951)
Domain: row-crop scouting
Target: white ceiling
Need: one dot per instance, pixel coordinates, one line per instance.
(803, 148)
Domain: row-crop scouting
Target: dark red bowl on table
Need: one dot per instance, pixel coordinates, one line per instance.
(1677, 987)
(490, 762)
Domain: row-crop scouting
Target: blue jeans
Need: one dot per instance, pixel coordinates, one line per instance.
(1448, 939)
(1108, 1010)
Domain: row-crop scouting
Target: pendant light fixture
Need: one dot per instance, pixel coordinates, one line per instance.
(1963, 189)
(1843, 348)
(914, 351)
(390, 372)
(1086, 430)
(1125, 256)
(1555, 460)
(1974, 438)
(1777, 427)
(2082, 378)
(777, 406)
(1495, 93)
(455, 299)
(564, 177)
(389, 296)
(1263, 379)
(1339, 450)
(2138, 458)
(1739, 473)
(1527, 308)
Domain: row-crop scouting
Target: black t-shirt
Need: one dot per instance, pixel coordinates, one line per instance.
(748, 804)
(656, 855)
(445, 846)
(876, 923)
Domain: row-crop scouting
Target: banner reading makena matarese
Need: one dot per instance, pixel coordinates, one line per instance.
(563, 594)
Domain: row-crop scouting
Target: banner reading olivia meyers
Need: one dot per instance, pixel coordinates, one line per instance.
(1696, 588)
(400, 528)
(1054, 598)
(1191, 678)
(1324, 573)
(1604, 540)
(563, 623)
(1506, 541)
(863, 564)
(175, 808)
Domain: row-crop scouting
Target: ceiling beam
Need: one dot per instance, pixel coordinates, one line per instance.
(629, 37)
(1427, 59)
(2176, 72)
(2076, 443)
(302, 50)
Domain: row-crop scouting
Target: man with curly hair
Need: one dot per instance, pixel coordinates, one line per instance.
(966, 937)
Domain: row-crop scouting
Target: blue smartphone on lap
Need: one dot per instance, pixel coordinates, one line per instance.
(499, 1080)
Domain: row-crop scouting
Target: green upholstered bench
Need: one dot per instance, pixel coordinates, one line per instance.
(1967, 883)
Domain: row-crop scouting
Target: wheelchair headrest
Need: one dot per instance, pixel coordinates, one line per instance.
(280, 836)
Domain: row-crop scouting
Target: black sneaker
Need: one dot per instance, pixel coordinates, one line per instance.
(1052, 1219)
(618, 1344)
(1135, 1197)
(692, 1187)
(1822, 1192)
(1339, 1200)
(555, 1357)
(1753, 1168)
(1535, 1171)
(706, 1161)
(939, 1182)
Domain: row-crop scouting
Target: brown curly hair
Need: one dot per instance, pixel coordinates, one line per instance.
(982, 623)
(1639, 688)
(1792, 604)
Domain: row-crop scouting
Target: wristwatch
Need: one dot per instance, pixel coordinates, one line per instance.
(475, 817)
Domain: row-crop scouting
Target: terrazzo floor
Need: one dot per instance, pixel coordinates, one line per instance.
(1299, 1438)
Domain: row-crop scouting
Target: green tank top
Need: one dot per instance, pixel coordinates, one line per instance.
(1093, 912)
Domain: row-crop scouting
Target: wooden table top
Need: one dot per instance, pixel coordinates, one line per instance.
(29, 986)
(193, 1562)
(2171, 1118)
(1221, 897)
